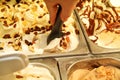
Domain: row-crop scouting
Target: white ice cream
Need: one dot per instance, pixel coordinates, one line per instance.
(32, 72)
(25, 26)
(114, 3)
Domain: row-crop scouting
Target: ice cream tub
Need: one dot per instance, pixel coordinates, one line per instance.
(100, 23)
(104, 68)
(25, 26)
(37, 70)
(66, 62)
(90, 68)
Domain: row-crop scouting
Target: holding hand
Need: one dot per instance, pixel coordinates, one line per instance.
(67, 8)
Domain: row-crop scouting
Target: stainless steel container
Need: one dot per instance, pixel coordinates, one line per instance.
(66, 62)
(50, 64)
(82, 48)
(94, 49)
(31, 38)
(70, 64)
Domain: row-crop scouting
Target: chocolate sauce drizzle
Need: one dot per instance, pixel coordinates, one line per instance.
(109, 16)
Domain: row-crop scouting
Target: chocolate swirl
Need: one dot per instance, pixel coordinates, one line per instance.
(100, 19)
(98, 11)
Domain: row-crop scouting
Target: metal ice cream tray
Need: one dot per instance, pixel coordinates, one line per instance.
(69, 65)
(93, 47)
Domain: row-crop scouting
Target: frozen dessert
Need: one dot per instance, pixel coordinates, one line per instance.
(100, 73)
(114, 3)
(25, 26)
(101, 19)
(78, 74)
(32, 72)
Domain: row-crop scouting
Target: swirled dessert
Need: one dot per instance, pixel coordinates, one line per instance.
(101, 19)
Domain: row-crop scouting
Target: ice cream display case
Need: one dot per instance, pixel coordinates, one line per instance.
(100, 22)
(88, 50)
(25, 27)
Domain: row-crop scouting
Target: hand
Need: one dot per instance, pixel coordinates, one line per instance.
(67, 8)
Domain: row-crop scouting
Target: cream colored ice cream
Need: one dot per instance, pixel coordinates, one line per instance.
(24, 27)
(100, 73)
(78, 74)
(114, 3)
(32, 72)
(101, 19)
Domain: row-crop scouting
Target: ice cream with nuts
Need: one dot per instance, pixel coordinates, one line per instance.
(100, 73)
(25, 25)
(101, 19)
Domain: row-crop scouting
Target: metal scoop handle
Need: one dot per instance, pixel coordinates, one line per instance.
(56, 30)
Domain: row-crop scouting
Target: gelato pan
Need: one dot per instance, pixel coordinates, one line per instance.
(79, 67)
(25, 26)
(39, 69)
(100, 73)
(101, 20)
(95, 69)
(65, 62)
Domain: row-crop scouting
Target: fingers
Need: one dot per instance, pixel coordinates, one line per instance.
(53, 12)
(67, 8)
(52, 8)
(65, 13)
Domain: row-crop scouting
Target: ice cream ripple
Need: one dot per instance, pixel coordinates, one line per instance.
(101, 21)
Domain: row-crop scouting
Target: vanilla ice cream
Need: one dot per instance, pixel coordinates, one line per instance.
(32, 72)
(100, 73)
(101, 19)
(25, 26)
(114, 3)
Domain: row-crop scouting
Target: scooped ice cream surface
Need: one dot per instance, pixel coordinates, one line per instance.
(100, 73)
(32, 72)
(24, 27)
(114, 3)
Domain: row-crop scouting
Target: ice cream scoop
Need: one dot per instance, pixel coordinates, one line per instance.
(56, 30)
(11, 63)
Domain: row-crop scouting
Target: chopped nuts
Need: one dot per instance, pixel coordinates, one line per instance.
(6, 36)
